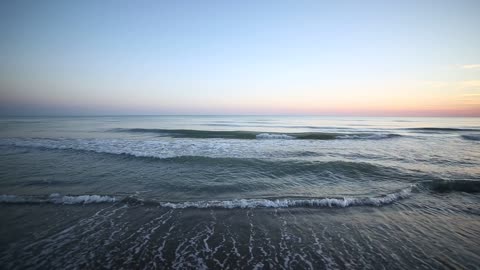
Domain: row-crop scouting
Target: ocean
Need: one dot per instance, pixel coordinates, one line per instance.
(239, 192)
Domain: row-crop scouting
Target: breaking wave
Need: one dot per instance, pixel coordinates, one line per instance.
(237, 203)
(469, 186)
(375, 136)
(250, 135)
(284, 203)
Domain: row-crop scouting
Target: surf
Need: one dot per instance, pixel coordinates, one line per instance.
(435, 186)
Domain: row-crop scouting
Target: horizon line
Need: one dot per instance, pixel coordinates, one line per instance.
(279, 115)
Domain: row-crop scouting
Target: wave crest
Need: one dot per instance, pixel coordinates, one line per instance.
(228, 204)
(469, 186)
(285, 203)
(471, 137)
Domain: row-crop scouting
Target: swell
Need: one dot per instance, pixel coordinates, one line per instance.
(251, 135)
(469, 186)
(442, 129)
(471, 137)
(442, 186)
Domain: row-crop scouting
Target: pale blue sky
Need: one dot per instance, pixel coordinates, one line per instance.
(240, 57)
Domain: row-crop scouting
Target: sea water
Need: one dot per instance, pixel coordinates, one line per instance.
(239, 192)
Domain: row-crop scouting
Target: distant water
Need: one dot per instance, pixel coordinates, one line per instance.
(248, 192)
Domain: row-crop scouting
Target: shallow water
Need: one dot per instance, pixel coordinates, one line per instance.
(240, 192)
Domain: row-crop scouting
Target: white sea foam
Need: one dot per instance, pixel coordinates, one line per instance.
(82, 199)
(268, 136)
(377, 136)
(284, 203)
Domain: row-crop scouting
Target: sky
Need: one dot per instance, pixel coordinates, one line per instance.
(372, 58)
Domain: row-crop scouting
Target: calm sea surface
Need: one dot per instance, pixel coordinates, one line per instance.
(239, 192)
